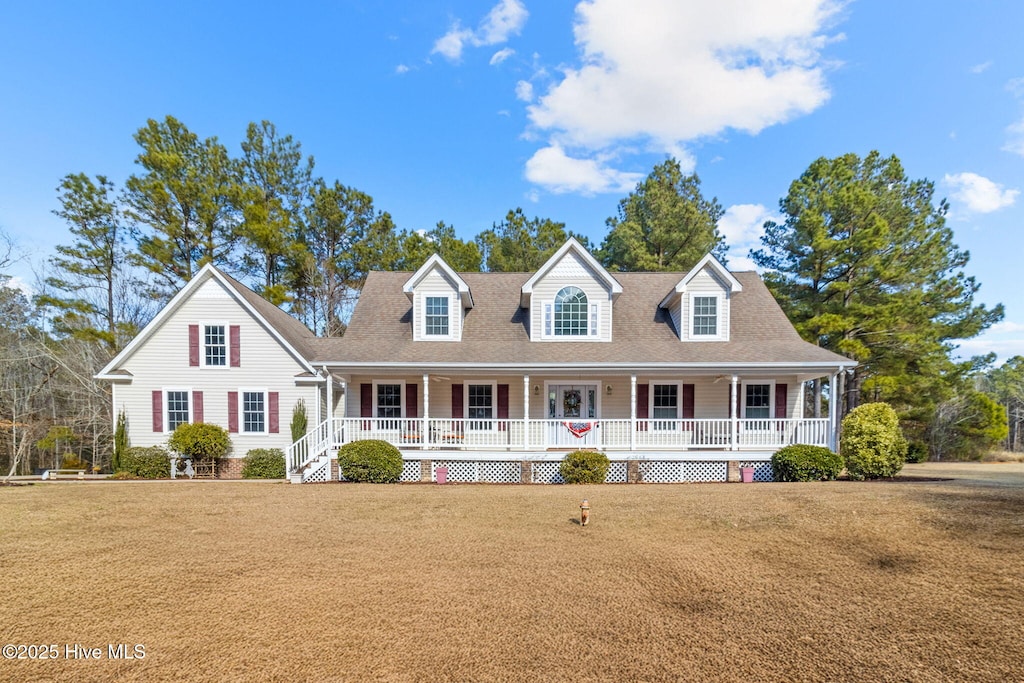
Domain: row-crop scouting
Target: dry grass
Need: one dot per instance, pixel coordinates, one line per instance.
(919, 581)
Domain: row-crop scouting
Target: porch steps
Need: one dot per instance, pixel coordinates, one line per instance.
(317, 470)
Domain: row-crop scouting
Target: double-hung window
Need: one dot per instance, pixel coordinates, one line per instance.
(254, 412)
(215, 346)
(436, 323)
(480, 405)
(389, 404)
(705, 316)
(757, 401)
(177, 409)
(665, 405)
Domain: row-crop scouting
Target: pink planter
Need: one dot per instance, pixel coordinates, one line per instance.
(747, 475)
(441, 473)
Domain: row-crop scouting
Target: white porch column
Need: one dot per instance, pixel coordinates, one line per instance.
(734, 445)
(317, 412)
(426, 409)
(632, 412)
(330, 412)
(526, 412)
(833, 412)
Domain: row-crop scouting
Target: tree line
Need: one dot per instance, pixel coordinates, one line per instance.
(862, 262)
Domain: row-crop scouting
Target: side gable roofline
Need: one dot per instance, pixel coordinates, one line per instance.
(708, 261)
(205, 273)
(435, 261)
(571, 244)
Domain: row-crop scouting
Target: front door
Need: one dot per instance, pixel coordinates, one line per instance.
(573, 411)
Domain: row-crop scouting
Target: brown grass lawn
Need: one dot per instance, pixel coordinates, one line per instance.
(892, 581)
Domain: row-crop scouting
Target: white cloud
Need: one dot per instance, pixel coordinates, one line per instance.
(672, 72)
(1015, 135)
(1006, 326)
(505, 19)
(524, 91)
(981, 68)
(742, 226)
(560, 173)
(15, 282)
(401, 69)
(978, 193)
(501, 55)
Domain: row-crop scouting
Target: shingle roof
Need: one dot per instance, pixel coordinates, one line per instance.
(496, 328)
(294, 332)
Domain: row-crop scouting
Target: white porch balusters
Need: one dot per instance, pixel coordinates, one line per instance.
(833, 411)
(734, 440)
(425, 420)
(526, 412)
(632, 412)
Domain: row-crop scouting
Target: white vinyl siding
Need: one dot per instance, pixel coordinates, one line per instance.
(571, 271)
(162, 361)
(437, 309)
(693, 321)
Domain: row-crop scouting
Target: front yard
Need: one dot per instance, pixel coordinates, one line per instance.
(917, 580)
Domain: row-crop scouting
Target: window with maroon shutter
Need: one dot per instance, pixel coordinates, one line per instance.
(235, 339)
(197, 406)
(412, 403)
(273, 413)
(233, 412)
(643, 397)
(689, 405)
(781, 399)
(193, 346)
(158, 411)
(457, 402)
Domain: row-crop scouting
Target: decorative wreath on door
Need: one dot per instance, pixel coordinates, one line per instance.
(571, 402)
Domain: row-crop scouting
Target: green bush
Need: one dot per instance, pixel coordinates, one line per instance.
(263, 463)
(200, 441)
(872, 444)
(370, 460)
(152, 462)
(917, 451)
(806, 463)
(584, 467)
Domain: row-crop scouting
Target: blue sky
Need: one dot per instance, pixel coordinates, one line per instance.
(459, 111)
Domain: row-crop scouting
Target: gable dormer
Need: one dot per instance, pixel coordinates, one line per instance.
(440, 299)
(570, 298)
(700, 304)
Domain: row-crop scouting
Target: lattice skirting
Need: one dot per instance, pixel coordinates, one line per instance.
(762, 470)
(487, 472)
(319, 476)
(655, 472)
(410, 471)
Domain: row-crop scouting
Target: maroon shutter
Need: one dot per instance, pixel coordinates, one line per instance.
(366, 402)
(236, 346)
(643, 396)
(158, 411)
(233, 412)
(273, 420)
(412, 400)
(503, 406)
(781, 396)
(193, 345)
(457, 402)
(197, 406)
(688, 402)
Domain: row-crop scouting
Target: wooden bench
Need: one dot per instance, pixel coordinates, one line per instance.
(55, 474)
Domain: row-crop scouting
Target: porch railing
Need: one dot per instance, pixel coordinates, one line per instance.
(613, 434)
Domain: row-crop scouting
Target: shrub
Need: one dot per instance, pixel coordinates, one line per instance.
(370, 460)
(806, 463)
(872, 444)
(263, 463)
(299, 420)
(122, 475)
(120, 441)
(200, 441)
(152, 462)
(584, 467)
(917, 451)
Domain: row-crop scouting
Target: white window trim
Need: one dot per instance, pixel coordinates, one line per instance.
(401, 397)
(166, 408)
(720, 324)
(679, 400)
(453, 310)
(771, 398)
(494, 404)
(241, 411)
(202, 344)
(594, 311)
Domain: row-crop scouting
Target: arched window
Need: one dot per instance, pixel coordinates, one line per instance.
(571, 315)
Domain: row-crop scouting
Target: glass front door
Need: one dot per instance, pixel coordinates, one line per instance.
(575, 408)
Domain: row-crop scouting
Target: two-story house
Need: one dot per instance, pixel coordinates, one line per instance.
(494, 376)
